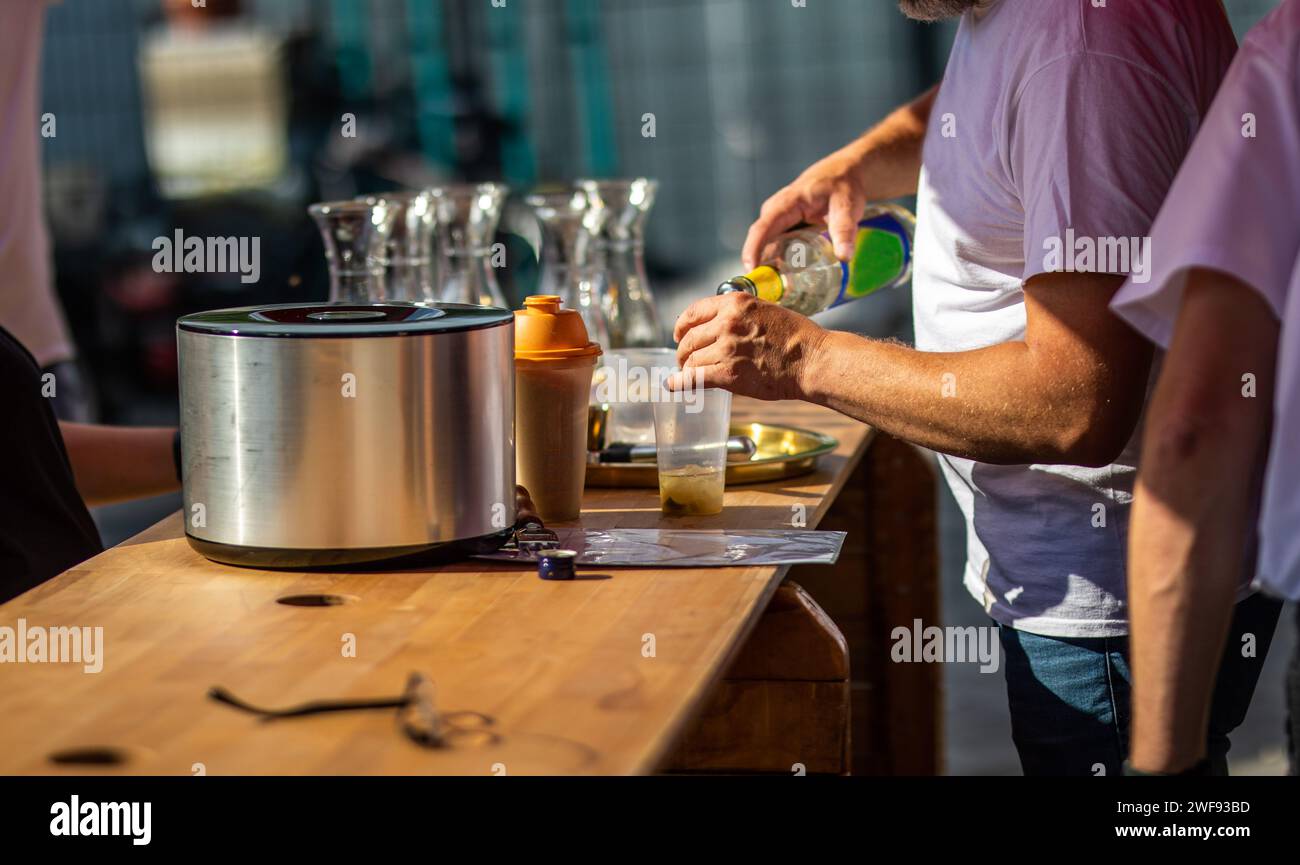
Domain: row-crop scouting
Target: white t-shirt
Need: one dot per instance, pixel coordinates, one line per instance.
(1056, 120)
(1236, 208)
(28, 307)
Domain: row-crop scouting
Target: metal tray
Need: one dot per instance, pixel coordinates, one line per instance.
(783, 452)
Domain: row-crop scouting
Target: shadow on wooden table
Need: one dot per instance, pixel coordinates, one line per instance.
(814, 689)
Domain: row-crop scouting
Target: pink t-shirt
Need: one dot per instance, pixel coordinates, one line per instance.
(1236, 208)
(1059, 123)
(28, 306)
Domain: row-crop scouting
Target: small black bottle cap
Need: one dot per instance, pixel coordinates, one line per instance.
(557, 565)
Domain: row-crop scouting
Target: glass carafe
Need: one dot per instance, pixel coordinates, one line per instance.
(569, 220)
(411, 275)
(356, 235)
(466, 218)
(621, 285)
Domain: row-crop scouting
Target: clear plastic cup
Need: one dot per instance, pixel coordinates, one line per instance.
(691, 430)
(630, 380)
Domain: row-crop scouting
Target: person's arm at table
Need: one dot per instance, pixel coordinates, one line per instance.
(885, 162)
(114, 464)
(1204, 442)
(1069, 393)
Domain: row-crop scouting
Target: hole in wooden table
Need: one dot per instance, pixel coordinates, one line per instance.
(91, 756)
(321, 600)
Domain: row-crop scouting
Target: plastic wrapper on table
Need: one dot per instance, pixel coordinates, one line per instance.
(683, 548)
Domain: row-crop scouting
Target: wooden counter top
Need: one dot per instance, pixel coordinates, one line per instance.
(564, 668)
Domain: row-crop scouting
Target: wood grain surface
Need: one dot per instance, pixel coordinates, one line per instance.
(564, 670)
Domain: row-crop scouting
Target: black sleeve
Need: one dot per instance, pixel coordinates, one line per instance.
(44, 525)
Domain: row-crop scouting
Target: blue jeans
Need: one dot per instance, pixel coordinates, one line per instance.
(1069, 698)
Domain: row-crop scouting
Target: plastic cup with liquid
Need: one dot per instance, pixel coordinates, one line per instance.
(691, 431)
(554, 363)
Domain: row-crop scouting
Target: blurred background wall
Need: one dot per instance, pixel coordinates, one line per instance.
(228, 121)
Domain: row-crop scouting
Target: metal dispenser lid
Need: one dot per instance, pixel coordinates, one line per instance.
(325, 320)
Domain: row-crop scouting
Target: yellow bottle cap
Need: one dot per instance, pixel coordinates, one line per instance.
(768, 283)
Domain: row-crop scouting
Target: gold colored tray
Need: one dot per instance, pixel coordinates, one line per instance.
(783, 452)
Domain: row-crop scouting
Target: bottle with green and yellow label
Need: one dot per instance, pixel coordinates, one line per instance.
(800, 270)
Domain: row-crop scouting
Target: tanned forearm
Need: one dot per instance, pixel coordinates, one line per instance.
(1205, 440)
(1064, 395)
(982, 405)
(114, 464)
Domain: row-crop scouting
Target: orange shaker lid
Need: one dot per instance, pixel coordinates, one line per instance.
(544, 331)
